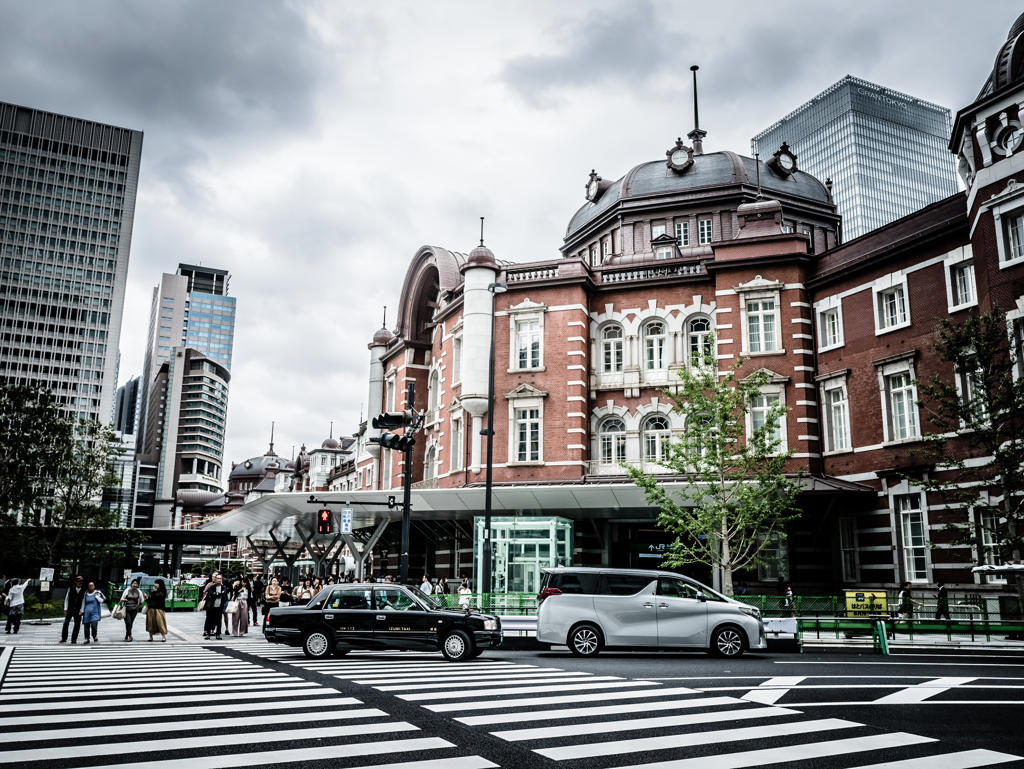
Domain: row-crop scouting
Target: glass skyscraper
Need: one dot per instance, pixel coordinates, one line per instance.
(67, 203)
(885, 152)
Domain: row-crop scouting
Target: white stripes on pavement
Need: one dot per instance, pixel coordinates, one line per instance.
(921, 692)
(188, 726)
(168, 683)
(520, 716)
(689, 739)
(555, 678)
(530, 702)
(97, 696)
(806, 752)
(482, 692)
(637, 724)
(964, 760)
(190, 698)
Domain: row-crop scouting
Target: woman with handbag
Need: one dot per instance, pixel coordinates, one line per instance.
(92, 608)
(156, 607)
(240, 617)
(15, 604)
(131, 602)
(271, 598)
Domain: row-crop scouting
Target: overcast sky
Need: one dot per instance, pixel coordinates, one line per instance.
(312, 148)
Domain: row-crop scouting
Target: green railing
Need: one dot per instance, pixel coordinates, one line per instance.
(183, 596)
(507, 604)
(910, 629)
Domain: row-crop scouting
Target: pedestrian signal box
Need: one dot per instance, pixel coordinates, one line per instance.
(324, 522)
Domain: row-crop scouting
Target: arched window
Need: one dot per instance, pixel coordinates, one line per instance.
(656, 437)
(429, 464)
(432, 391)
(699, 339)
(654, 345)
(613, 441)
(611, 348)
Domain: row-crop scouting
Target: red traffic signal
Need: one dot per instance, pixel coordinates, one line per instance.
(324, 522)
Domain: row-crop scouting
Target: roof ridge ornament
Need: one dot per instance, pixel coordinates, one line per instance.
(696, 136)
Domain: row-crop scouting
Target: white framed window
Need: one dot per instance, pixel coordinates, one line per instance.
(760, 406)
(456, 443)
(774, 562)
(456, 359)
(892, 306)
(1015, 237)
(657, 230)
(430, 464)
(762, 325)
(810, 239)
(1015, 328)
(528, 435)
(611, 349)
(698, 337)
(528, 335)
(990, 527)
(390, 400)
(656, 435)
(704, 229)
(433, 389)
(664, 252)
(682, 234)
(594, 259)
(902, 398)
(915, 537)
(606, 249)
(829, 314)
(971, 389)
(961, 291)
(848, 548)
(612, 440)
(836, 411)
(654, 345)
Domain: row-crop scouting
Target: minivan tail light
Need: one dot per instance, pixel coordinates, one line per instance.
(548, 591)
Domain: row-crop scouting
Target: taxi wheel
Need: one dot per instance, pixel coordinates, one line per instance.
(585, 641)
(727, 642)
(317, 645)
(456, 646)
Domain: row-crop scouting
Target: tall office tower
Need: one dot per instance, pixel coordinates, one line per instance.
(884, 151)
(126, 406)
(188, 407)
(190, 308)
(68, 191)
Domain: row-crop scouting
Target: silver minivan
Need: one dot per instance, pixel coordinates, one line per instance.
(590, 609)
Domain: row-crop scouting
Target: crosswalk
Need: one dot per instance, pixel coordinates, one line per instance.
(597, 720)
(166, 707)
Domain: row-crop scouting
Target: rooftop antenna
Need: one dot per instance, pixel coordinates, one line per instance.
(696, 135)
(271, 438)
(757, 165)
(332, 431)
(385, 317)
(481, 230)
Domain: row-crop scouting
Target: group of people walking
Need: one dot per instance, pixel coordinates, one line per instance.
(83, 605)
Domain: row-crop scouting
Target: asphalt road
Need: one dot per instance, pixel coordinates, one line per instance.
(158, 707)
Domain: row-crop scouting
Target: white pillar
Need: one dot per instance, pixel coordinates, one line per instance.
(478, 425)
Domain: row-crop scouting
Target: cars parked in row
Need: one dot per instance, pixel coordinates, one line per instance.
(590, 609)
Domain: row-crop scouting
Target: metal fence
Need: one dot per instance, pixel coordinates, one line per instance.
(181, 596)
(962, 606)
(896, 629)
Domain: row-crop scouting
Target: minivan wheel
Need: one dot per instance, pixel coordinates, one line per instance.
(585, 641)
(456, 646)
(317, 645)
(727, 642)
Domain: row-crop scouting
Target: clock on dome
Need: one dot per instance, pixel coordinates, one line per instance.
(595, 187)
(680, 157)
(783, 162)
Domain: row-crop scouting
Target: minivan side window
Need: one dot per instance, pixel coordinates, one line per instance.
(623, 584)
(580, 584)
(676, 588)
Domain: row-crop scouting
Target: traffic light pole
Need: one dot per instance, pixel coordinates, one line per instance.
(486, 586)
(406, 514)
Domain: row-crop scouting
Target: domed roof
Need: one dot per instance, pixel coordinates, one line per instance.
(256, 467)
(330, 443)
(481, 256)
(382, 337)
(1009, 64)
(713, 169)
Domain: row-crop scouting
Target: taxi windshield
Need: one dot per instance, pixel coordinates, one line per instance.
(431, 602)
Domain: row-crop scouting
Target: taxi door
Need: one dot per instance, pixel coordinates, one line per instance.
(348, 612)
(400, 622)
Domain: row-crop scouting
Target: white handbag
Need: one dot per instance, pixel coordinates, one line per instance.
(231, 608)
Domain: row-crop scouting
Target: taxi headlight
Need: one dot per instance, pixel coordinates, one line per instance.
(753, 611)
(490, 624)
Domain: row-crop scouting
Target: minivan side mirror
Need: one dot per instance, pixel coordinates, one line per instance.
(701, 597)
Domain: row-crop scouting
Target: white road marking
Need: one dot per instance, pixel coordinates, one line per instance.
(558, 700)
(189, 698)
(635, 724)
(923, 691)
(523, 690)
(766, 696)
(520, 716)
(664, 742)
(555, 678)
(806, 752)
(168, 683)
(324, 753)
(965, 760)
(96, 698)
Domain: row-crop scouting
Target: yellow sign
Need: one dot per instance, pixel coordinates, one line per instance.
(861, 603)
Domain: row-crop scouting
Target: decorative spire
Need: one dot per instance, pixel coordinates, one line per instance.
(696, 136)
(271, 453)
(481, 230)
(757, 165)
(331, 434)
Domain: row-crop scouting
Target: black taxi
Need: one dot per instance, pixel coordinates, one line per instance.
(381, 616)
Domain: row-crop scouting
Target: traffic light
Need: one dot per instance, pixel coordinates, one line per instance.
(394, 442)
(392, 419)
(324, 521)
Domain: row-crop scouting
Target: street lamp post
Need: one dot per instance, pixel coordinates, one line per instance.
(486, 586)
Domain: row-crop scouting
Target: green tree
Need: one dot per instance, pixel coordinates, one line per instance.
(32, 430)
(738, 496)
(978, 447)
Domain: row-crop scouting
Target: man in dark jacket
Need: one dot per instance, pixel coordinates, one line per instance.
(215, 598)
(73, 609)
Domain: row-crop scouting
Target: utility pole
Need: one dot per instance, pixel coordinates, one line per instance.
(407, 490)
